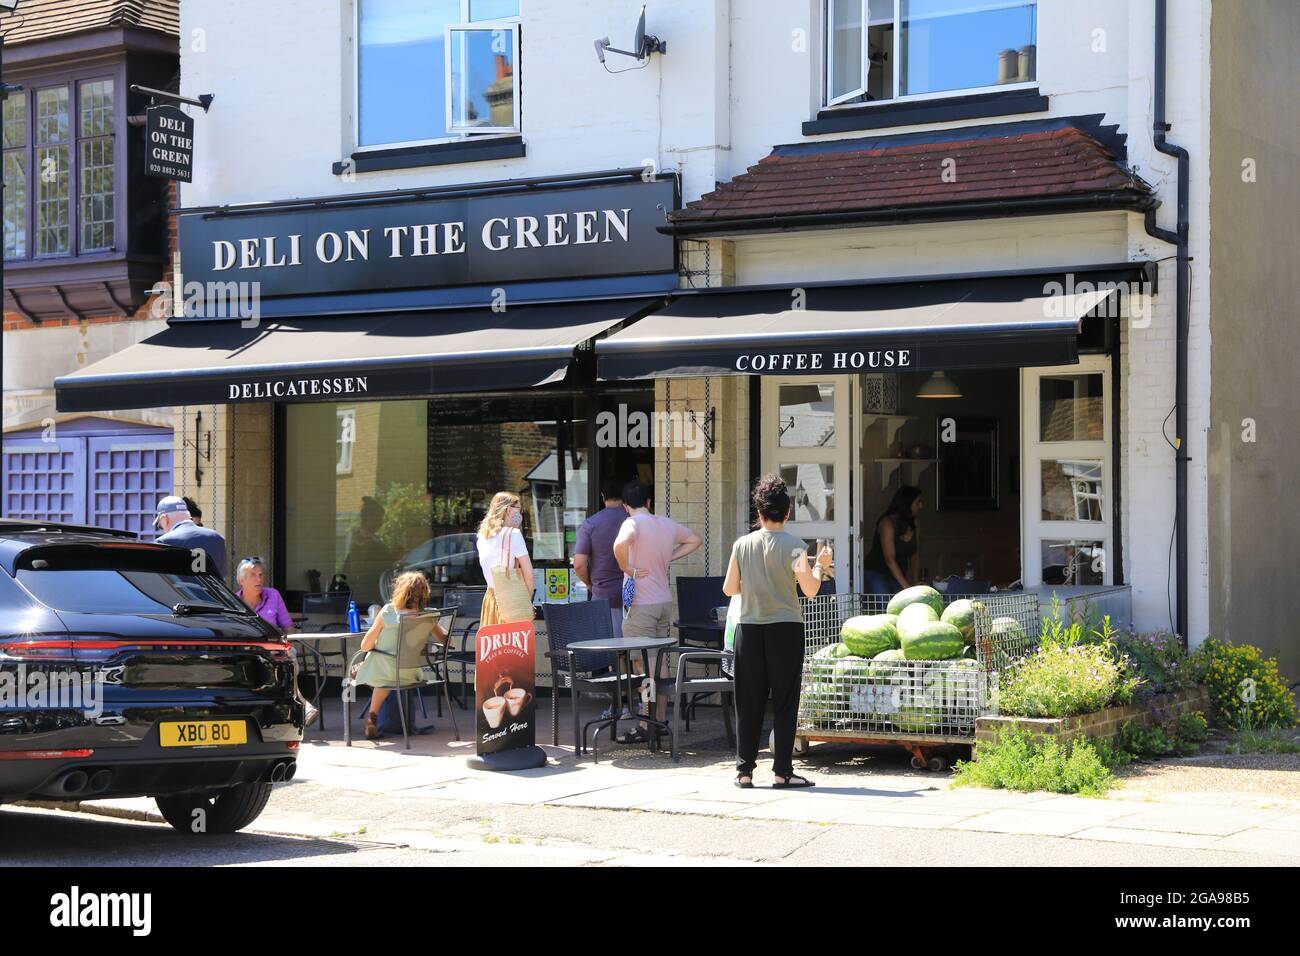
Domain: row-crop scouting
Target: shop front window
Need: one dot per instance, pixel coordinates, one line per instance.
(812, 489)
(807, 416)
(1072, 490)
(419, 480)
(1074, 562)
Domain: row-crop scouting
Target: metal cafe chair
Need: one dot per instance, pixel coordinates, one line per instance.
(412, 657)
(468, 600)
(696, 599)
(576, 670)
(690, 688)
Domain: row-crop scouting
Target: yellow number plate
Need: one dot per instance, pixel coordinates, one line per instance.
(204, 733)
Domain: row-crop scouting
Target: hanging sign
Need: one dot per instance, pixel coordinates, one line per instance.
(505, 687)
(169, 143)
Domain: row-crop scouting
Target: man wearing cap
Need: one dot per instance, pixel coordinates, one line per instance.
(179, 530)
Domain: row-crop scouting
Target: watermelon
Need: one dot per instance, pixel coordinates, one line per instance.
(921, 593)
(850, 670)
(915, 616)
(961, 615)
(867, 636)
(825, 653)
(892, 658)
(1007, 630)
(917, 718)
(935, 641)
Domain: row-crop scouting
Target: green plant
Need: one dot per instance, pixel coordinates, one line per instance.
(408, 517)
(1193, 727)
(1252, 741)
(1021, 761)
(1246, 688)
(1161, 659)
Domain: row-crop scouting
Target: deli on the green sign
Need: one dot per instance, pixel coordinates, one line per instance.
(169, 143)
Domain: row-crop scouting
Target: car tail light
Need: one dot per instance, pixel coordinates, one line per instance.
(292, 744)
(44, 754)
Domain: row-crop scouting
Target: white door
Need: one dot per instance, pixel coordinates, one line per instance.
(1068, 489)
(808, 442)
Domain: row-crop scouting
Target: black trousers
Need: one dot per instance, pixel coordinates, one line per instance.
(769, 660)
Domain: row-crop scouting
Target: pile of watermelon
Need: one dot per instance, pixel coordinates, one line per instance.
(874, 648)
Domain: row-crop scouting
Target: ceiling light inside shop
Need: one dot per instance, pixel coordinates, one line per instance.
(939, 385)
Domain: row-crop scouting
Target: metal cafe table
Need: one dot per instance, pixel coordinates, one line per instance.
(309, 644)
(623, 648)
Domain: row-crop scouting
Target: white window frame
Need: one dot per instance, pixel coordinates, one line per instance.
(840, 531)
(846, 100)
(344, 443)
(1035, 529)
(479, 132)
(490, 26)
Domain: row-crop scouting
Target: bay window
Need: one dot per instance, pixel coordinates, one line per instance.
(59, 170)
(433, 70)
(888, 50)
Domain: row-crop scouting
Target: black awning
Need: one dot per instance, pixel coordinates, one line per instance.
(924, 325)
(346, 358)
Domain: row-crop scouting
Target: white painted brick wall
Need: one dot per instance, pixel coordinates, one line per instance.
(740, 77)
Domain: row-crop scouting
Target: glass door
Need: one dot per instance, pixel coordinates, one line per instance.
(1067, 474)
(807, 441)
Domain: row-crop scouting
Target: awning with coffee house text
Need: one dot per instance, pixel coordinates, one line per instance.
(345, 358)
(917, 326)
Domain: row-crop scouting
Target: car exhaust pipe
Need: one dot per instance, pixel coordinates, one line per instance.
(74, 783)
(290, 770)
(100, 781)
(277, 773)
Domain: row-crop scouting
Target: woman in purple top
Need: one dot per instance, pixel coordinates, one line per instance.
(264, 601)
(267, 604)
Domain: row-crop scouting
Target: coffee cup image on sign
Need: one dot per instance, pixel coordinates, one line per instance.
(516, 698)
(494, 709)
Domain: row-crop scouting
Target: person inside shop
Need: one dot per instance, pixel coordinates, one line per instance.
(368, 557)
(501, 545)
(770, 632)
(888, 564)
(410, 595)
(593, 555)
(179, 530)
(266, 603)
(646, 545)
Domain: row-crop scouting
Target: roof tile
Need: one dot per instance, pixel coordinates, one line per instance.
(45, 19)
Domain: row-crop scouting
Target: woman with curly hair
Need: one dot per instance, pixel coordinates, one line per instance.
(765, 567)
(410, 595)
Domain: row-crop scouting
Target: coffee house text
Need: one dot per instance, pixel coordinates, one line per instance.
(823, 361)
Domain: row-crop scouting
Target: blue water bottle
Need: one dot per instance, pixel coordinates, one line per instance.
(354, 621)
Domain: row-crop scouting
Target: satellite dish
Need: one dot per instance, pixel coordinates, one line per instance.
(642, 44)
(638, 39)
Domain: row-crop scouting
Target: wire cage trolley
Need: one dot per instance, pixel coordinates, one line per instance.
(922, 706)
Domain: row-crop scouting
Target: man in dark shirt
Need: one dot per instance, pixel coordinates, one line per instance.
(180, 531)
(593, 556)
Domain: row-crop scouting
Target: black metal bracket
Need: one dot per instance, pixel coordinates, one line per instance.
(204, 100)
(707, 426)
(199, 453)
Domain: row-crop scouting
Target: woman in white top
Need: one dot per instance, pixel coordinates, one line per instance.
(501, 543)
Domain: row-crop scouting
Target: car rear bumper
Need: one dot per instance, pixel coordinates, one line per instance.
(109, 773)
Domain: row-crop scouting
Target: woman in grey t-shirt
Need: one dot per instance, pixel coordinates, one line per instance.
(765, 566)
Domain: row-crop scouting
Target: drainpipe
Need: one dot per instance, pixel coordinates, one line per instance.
(1178, 238)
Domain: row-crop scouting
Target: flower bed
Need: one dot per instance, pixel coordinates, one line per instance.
(1103, 724)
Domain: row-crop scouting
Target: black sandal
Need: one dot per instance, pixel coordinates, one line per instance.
(745, 786)
(788, 785)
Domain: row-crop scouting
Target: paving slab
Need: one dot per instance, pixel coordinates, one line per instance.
(1208, 821)
(1110, 834)
(1022, 820)
(712, 808)
(888, 817)
(802, 808)
(1093, 805)
(1257, 840)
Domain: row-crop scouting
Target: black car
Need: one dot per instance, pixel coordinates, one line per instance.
(124, 672)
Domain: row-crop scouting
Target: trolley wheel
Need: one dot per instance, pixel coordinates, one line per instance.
(801, 746)
(918, 763)
(937, 763)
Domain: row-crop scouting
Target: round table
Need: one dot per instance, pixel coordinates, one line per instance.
(623, 648)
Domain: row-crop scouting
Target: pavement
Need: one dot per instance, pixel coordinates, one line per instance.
(639, 808)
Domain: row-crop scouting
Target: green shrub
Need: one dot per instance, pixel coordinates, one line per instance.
(1252, 741)
(1064, 681)
(1194, 727)
(1161, 660)
(1020, 761)
(1246, 688)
